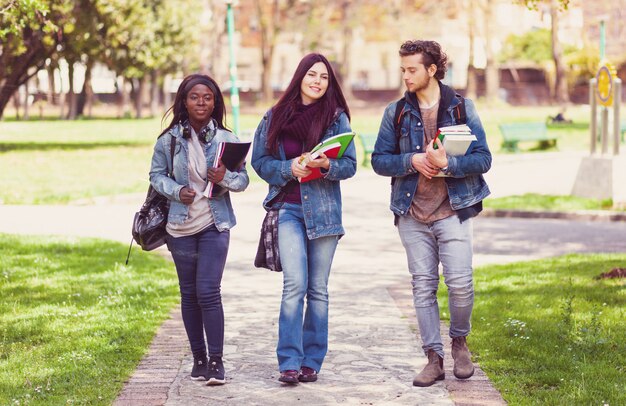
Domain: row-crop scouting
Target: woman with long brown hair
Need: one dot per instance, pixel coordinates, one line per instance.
(312, 109)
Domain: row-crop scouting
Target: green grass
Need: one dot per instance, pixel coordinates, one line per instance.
(548, 332)
(74, 320)
(56, 161)
(533, 201)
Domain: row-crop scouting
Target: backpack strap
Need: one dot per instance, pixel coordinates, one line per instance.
(397, 120)
(397, 117)
(460, 115)
(172, 150)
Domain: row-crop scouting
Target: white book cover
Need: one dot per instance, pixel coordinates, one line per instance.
(457, 145)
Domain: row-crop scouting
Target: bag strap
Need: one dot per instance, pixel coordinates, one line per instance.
(172, 149)
(460, 115)
(397, 117)
(397, 120)
(170, 173)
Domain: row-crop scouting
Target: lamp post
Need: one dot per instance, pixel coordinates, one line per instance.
(234, 91)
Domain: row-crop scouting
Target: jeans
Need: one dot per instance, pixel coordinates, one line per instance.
(200, 261)
(302, 341)
(449, 241)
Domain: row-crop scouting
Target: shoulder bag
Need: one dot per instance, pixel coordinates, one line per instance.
(150, 221)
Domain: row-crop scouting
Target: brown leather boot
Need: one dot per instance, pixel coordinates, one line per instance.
(463, 367)
(432, 372)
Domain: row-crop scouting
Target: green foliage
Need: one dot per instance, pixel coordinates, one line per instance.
(15, 15)
(74, 320)
(550, 332)
(533, 201)
(534, 4)
(27, 24)
(533, 46)
(583, 64)
(141, 36)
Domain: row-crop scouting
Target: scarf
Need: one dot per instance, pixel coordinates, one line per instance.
(298, 125)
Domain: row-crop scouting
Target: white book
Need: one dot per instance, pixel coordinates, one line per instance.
(456, 145)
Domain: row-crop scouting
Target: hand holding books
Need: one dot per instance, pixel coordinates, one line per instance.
(452, 140)
(310, 165)
(216, 173)
(436, 153)
(231, 156)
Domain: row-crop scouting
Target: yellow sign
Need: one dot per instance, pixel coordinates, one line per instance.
(604, 84)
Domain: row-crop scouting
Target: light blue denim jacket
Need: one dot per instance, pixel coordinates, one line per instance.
(321, 198)
(221, 207)
(466, 185)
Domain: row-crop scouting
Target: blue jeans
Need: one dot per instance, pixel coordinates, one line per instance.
(449, 241)
(200, 261)
(302, 341)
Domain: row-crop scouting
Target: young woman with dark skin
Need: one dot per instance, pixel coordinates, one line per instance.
(198, 227)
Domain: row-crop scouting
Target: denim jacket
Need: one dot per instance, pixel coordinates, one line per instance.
(221, 207)
(321, 198)
(466, 185)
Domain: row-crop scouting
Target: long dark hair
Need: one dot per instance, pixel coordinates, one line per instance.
(285, 107)
(179, 110)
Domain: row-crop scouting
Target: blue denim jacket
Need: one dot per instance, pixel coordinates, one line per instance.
(321, 198)
(221, 207)
(466, 185)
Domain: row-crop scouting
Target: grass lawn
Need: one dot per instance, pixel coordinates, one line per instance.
(56, 161)
(74, 320)
(548, 332)
(533, 201)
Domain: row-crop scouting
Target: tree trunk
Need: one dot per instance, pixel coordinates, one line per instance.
(33, 59)
(167, 96)
(51, 94)
(154, 93)
(71, 114)
(346, 80)
(471, 88)
(138, 89)
(120, 84)
(62, 97)
(560, 79)
(85, 98)
(268, 41)
(492, 70)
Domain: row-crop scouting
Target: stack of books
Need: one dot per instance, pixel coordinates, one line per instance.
(456, 139)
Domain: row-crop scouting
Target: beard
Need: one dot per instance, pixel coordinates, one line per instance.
(421, 85)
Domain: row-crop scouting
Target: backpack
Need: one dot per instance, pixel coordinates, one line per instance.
(460, 115)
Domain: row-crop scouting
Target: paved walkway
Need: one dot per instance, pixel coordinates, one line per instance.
(374, 351)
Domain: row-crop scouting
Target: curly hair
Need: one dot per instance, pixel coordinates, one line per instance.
(431, 52)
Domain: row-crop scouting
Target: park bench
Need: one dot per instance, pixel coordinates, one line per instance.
(367, 141)
(514, 133)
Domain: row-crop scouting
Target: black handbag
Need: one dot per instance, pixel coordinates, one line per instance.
(150, 221)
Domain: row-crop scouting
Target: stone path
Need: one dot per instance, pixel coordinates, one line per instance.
(374, 351)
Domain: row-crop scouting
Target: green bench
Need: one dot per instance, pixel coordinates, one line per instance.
(514, 133)
(367, 141)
